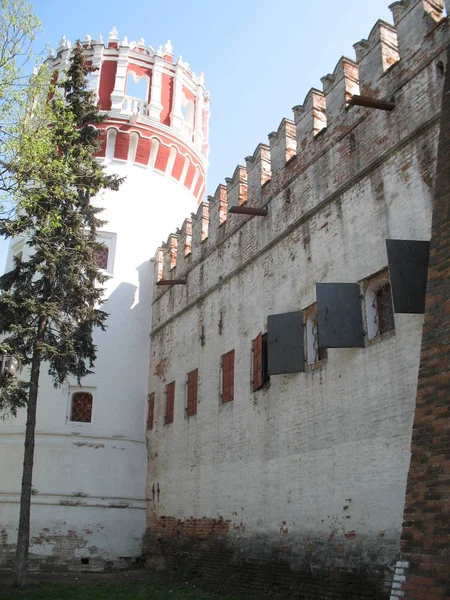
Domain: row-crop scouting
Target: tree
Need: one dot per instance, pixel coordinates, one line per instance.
(19, 27)
(49, 302)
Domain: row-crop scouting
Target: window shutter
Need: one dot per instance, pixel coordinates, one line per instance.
(228, 376)
(257, 363)
(339, 315)
(151, 410)
(408, 269)
(170, 401)
(192, 392)
(286, 351)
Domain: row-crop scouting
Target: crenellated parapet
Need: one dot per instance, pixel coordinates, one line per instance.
(362, 105)
(158, 108)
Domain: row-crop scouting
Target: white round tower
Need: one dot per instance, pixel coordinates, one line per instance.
(88, 508)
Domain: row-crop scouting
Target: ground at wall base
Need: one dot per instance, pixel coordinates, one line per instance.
(113, 586)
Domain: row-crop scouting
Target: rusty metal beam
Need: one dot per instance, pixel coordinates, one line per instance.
(248, 210)
(371, 102)
(171, 282)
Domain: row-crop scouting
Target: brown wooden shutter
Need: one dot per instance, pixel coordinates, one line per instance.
(228, 376)
(170, 401)
(192, 393)
(151, 410)
(257, 379)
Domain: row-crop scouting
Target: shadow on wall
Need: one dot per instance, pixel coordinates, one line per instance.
(125, 344)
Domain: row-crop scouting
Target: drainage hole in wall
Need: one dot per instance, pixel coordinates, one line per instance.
(85, 561)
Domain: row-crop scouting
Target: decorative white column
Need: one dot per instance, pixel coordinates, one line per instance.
(97, 58)
(176, 116)
(64, 50)
(118, 92)
(155, 106)
(199, 102)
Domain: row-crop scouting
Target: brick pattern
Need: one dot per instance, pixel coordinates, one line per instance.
(425, 539)
(201, 547)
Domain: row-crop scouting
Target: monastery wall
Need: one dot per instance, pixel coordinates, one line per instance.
(301, 482)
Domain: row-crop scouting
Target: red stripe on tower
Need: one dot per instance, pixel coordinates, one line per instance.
(162, 158)
(122, 146)
(198, 186)
(166, 98)
(178, 166)
(143, 151)
(107, 82)
(190, 176)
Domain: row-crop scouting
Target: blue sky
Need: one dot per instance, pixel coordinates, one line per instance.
(260, 57)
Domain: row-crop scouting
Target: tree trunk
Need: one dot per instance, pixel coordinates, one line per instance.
(23, 538)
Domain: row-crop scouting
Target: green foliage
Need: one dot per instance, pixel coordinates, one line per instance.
(18, 30)
(58, 285)
(120, 591)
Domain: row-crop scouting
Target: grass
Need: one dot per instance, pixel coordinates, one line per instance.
(110, 591)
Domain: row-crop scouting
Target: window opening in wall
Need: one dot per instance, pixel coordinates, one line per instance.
(151, 410)
(170, 402)
(136, 94)
(260, 373)
(101, 256)
(378, 305)
(85, 561)
(228, 376)
(192, 393)
(383, 310)
(314, 354)
(81, 407)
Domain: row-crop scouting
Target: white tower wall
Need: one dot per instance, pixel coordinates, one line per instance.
(88, 508)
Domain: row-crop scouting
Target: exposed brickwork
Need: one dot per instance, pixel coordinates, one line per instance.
(425, 541)
(208, 549)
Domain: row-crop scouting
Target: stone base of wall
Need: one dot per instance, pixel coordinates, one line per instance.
(215, 563)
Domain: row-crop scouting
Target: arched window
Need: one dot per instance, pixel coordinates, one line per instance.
(102, 256)
(188, 112)
(136, 94)
(379, 308)
(81, 411)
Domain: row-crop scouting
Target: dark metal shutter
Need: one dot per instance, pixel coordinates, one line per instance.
(408, 271)
(339, 315)
(286, 352)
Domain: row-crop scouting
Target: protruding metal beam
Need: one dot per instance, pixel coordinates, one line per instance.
(371, 102)
(248, 210)
(171, 282)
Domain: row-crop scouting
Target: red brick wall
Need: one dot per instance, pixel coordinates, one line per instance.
(425, 541)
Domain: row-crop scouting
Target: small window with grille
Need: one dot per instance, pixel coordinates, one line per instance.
(170, 403)
(227, 377)
(378, 305)
(105, 251)
(314, 354)
(192, 393)
(81, 409)
(101, 256)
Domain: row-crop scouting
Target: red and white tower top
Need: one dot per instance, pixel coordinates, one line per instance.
(166, 128)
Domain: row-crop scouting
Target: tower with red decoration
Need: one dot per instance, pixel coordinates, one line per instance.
(89, 478)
